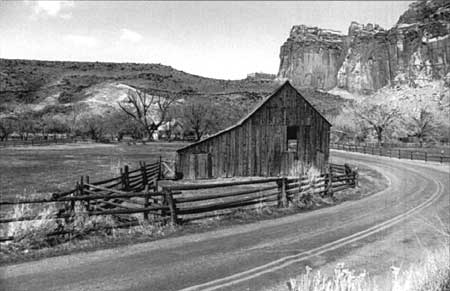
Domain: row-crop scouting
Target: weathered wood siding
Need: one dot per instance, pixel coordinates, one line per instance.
(258, 146)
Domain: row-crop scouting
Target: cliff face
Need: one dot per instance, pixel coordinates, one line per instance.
(416, 49)
(366, 66)
(311, 57)
(419, 44)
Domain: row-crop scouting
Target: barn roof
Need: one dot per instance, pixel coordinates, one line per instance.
(261, 103)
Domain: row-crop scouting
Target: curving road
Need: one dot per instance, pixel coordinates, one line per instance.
(257, 255)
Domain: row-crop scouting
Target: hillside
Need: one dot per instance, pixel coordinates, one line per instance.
(56, 84)
(32, 81)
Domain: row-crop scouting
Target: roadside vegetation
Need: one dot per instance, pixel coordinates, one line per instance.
(431, 273)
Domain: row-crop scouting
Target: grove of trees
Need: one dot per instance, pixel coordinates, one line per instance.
(139, 116)
(421, 113)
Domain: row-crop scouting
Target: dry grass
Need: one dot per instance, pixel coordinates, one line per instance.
(36, 234)
(30, 234)
(431, 273)
(32, 239)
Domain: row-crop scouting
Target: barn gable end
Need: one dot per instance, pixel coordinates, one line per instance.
(283, 135)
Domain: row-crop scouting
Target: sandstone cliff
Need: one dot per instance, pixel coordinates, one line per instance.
(416, 49)
(311, 57)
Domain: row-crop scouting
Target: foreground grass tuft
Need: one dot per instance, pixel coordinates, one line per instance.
(342, 279)
(432, 273)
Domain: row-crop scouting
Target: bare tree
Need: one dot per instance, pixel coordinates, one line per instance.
(199, 117)
(379, 116)
(93, 126)
(74, 116)
(422, 125)
(7, 125)
(150, 111)
(118, 124)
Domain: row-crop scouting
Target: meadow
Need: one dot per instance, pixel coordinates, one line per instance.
(48, 169)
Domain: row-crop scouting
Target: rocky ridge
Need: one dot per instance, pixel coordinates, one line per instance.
(369, 57)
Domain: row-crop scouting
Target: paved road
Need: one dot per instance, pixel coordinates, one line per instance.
(248, 257)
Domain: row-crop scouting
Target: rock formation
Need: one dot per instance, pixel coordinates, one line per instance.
(311, 57)
(416, 49)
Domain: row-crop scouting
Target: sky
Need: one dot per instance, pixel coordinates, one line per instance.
(225, 40)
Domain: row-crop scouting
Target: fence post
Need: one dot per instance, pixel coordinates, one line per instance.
(88, 202)
(279, 199)
(441, 158)
(328, 184)
(381, 151)
(146, 202)
(373, 150)
(347, 171)
(426, 157)
(411, 152)
(160, 168)
(81, 192)
(144, 174)
(122, 178)
(354, 179)
(364, 149)
(72, 203)
(399, 155)
(172, 207)
(125, 178)
(282, 196)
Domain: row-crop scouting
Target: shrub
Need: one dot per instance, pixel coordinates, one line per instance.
(31, 234)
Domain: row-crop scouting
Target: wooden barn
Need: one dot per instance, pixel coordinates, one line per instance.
(283, 135)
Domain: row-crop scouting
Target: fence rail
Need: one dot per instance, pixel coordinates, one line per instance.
(137, 192)
(393, 152)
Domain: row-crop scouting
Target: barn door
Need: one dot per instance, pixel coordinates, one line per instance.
(200, 166)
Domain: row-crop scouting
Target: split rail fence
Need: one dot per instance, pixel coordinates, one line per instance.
(129, 193)
(138, 192)
(393, 153)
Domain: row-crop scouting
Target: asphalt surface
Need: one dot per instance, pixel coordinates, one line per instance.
(252, 256)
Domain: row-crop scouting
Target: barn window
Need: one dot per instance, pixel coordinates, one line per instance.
(292, 139)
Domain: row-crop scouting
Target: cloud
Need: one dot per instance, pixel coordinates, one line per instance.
(130, 35)
(81, 40)
(53, 8)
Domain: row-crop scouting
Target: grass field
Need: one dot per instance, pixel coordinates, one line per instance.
(45, 169)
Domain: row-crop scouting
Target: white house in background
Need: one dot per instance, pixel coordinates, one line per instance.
(169, 130)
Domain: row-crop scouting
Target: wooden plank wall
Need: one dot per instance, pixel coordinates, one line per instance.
(258, 147)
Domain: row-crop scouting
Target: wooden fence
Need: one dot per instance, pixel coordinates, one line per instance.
(188, 203)
(137, 192)
(112, 196)
(393, 153)
(36, 142)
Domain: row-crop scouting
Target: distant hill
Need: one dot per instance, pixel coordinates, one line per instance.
(59, 83)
